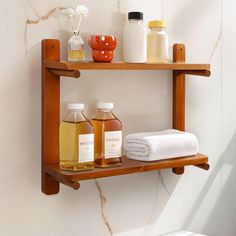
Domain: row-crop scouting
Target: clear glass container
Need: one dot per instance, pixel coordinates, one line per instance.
(76, 140)
(107, 136)
(157, 43)
(76, 47)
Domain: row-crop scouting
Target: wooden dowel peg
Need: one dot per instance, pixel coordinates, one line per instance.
(178, 170)
(206, 73)
(204, 166)
(66, 73)
(75, 185)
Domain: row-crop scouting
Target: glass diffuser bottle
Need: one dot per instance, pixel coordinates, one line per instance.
(76, 45)
(76, 50)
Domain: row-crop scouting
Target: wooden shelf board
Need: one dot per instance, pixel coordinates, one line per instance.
(128, 167)
(64, 65)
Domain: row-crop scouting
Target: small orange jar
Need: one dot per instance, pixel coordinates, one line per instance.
(103, 47)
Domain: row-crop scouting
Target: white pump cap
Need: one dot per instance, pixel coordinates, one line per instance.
(105, 105)
(75, 106)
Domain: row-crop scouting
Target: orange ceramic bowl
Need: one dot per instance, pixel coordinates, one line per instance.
(102, 47)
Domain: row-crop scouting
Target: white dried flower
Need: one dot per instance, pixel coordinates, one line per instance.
(68, 12)
(81, 10)
(75, 14)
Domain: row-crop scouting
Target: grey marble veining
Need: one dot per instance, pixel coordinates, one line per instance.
(218, 40)
(33, 21)
(102, 203)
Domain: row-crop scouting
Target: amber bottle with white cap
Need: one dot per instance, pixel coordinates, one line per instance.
(76, 140)
(107, 136)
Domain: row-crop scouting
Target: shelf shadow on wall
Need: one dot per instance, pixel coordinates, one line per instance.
(227, 161)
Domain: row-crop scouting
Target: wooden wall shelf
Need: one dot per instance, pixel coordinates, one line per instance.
(65, 65)
(58, 67)
(128, 167)
(53, 68)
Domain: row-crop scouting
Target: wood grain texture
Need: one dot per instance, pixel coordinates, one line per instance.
(179, 89)
(64, 65)
(50, 115)
(128, 167)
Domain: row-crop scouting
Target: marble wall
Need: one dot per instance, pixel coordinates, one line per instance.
(147, 204)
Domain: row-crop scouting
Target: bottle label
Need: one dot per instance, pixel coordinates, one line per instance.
(86, 148)
(113, 144)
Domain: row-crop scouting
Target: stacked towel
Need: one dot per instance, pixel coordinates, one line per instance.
(160, 145)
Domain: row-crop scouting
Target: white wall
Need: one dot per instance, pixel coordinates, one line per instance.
(144, 204)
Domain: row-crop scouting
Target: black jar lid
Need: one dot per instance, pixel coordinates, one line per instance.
(135, 15)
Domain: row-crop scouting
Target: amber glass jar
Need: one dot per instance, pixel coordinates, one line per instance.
(107, 136)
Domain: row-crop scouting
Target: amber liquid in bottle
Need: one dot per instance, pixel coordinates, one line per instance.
(76, 132)
(106, 123)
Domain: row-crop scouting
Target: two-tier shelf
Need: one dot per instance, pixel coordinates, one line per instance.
(53, 68)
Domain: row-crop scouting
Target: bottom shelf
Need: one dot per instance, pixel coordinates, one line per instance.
(128, 167)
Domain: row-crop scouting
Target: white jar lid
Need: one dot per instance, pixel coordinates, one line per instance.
(75, 106)
(105, 105)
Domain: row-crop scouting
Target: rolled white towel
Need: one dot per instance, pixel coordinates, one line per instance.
(160, 145)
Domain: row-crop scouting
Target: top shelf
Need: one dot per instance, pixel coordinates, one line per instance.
(65, 65)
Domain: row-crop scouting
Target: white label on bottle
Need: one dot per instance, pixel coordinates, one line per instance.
(86, 148)
(113, 144)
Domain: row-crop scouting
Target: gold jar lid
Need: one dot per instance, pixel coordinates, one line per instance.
(157, 24)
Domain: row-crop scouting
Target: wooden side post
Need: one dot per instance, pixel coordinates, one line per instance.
(50, 115)
(179, 89)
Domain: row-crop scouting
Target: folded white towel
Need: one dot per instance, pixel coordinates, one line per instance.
(184, 233)
(160, 145)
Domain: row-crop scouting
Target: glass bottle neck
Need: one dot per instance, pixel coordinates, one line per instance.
(104, 114)
(159, 29)
(75, 116)
(136, 21)
(76, 34)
